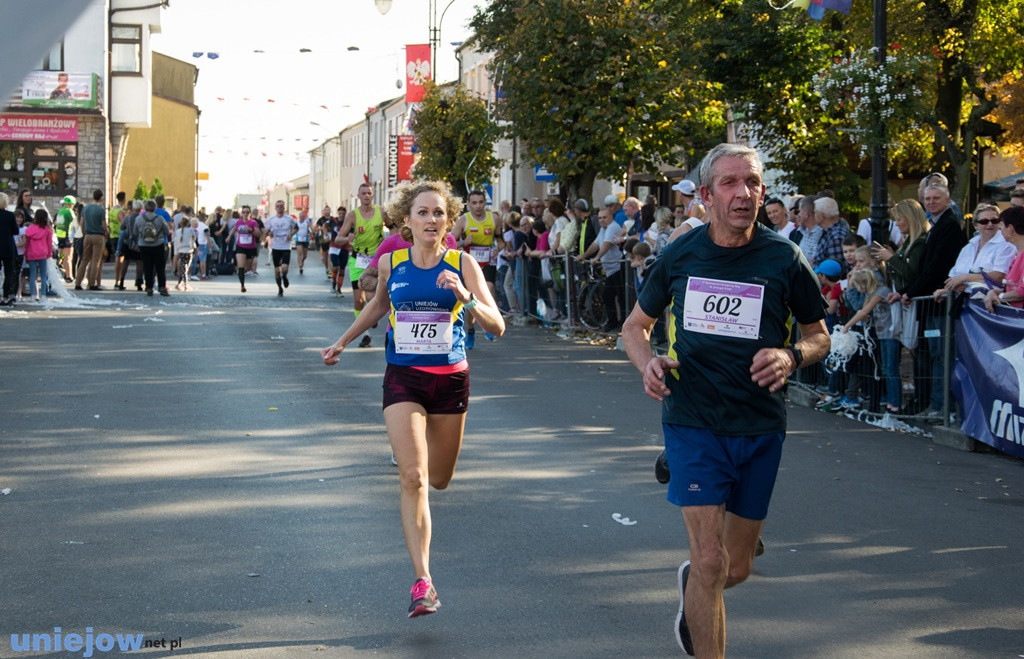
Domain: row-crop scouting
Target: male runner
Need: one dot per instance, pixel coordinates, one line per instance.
(367, 220)
(322, 229)
(281, 228)
(304, 227)
(475, 231)
(733, 287)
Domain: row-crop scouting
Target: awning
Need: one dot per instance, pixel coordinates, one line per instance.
(1000, 189)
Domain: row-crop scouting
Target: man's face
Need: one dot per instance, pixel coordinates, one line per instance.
(777, 214)
(848, 252)
(525, 225)
(1017, 201)
(630, 208)
(366, 195)
(477, 204)
(538, 207)
(279, 207)
(736, 192)
(935, 202)
(326, 212)
(604, 217)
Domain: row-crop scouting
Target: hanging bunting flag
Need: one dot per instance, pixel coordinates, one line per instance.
(197, 53)
(417, 71)
(212, 55)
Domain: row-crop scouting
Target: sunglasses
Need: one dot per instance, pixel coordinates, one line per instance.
(982, 223)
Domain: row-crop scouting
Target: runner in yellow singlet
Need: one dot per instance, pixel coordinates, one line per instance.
(476, 232)
(364, 232)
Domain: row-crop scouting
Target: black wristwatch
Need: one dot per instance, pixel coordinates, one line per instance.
(798, 355)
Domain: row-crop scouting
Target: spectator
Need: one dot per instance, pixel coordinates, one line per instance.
(507, 260)
(809, 229)
(985, 259)
(608, 254)
(1012, 292)
(778, 216)
(8, 252)
(687, 190)
(830, 244)
(202, 247)
(658, 237)
(611, 202)
(94, 225)
(904, 263)
(874, 322)
(1017, 197)
(184, 247)
(794, 212)
(38, 249)
(21, 266)
(153, 231)
(945, 240)
(699, 219)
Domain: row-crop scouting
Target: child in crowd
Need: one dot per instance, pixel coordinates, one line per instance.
(830, 274)
(38, 250)
(876, 323)
(641, 257)
(21, 265)
(860, 300)
(184, 248)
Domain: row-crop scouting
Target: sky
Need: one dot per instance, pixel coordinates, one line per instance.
(315, 94)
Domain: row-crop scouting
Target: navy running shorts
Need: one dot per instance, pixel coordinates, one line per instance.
(446, 393)
(281, 257)
(709, 469)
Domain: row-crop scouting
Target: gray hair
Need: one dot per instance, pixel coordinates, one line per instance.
(826, 206)
(4, 200)
(137, 204)
(150, 206)
(941, 188)
(707, 166)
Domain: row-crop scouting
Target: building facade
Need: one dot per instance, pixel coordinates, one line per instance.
(62, 131)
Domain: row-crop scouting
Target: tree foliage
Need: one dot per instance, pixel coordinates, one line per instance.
(597, 87)
(157, 188)
(140, 190)
(455, 136)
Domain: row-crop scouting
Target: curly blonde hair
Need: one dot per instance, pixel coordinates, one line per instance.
(399, 207)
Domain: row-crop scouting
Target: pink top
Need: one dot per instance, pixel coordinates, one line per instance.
(395, 242)
(39, 244)
(543, 244)
(1015, 279)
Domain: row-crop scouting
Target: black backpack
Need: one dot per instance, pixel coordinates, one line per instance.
(150, 231)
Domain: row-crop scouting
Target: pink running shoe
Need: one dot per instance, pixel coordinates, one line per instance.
(424, 599)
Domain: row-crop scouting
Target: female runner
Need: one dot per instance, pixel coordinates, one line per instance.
(426, 289)
(247, 236)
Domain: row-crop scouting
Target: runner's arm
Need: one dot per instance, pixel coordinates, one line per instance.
(371, 314)
(485, 311)
(636, 336)
(771, 366)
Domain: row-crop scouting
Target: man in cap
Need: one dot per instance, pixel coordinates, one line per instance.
(687, 189)
(65, 216)
(611, 202)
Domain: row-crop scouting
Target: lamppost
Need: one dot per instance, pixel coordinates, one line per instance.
(435, 33)
(880, 155)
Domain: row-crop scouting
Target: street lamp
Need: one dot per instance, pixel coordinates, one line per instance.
(383, 6)
(435, 33)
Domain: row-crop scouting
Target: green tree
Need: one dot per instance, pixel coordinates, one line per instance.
(140, 190)
(598, 87)
(157, 188)
(455, 136)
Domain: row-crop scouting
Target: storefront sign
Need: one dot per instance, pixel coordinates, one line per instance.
(52, 89)
(400, 158)
(988, 378)
(38, 128)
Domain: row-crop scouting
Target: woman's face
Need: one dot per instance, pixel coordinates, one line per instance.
(987, 223)
(903, 225)
(428, 218)
(861, 261)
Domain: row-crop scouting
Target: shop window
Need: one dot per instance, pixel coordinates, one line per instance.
(47, 169)
(126, 49)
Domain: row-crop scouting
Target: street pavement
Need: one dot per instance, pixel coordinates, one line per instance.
(186, 468)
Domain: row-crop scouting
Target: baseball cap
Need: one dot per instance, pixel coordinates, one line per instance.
(611, 199)
(686, 187)
(829, 268)
(68, 200)
(581, 204)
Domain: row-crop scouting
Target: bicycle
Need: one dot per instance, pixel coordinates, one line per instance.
(590, 299)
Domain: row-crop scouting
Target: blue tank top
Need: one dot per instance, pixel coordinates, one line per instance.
(415, 289)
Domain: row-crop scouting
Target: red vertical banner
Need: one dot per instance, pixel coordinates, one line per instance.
(405, 158)
(417, 71)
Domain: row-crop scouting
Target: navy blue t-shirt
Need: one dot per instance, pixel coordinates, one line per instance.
(712, 387)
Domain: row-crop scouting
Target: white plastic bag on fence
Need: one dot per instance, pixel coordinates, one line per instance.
(909, 326)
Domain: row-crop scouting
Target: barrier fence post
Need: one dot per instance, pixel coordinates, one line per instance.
(947, 357)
